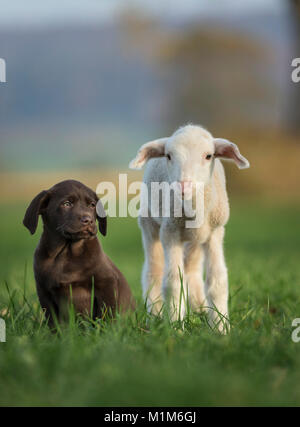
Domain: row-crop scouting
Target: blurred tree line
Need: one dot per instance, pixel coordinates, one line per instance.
(225, 79)
(211, 75)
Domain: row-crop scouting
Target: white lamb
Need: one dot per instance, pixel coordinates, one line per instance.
(189, 156)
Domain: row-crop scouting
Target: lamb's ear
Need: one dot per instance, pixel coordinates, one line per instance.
(228, 150)
(147, 151)
(34, 210)
(102, 218)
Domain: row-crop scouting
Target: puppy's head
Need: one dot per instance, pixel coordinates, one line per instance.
(69, 209)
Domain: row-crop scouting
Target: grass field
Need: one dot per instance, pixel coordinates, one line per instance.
(130, 363)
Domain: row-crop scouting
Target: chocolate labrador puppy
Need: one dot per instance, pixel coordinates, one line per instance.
(69, 263)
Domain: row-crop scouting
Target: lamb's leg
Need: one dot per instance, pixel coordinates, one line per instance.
(193, 268)
(173, 290)
(152, 273)
(217, 281)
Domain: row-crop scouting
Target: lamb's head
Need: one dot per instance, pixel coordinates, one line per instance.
(189, 155)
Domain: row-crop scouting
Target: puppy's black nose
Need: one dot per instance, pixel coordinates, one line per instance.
(86, 220)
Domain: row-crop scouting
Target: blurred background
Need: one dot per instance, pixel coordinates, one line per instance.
(88, 82)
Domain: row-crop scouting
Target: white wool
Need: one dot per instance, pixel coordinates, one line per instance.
(168, 244)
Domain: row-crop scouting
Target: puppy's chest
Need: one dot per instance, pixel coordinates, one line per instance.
(70, 271)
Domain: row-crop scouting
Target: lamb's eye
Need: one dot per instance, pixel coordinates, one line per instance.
(168, 156)
(208, 156)
(67, 204)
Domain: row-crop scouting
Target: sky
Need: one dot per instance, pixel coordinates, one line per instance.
(29, 13)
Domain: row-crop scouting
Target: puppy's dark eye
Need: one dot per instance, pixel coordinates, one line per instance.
(92, 205)
(208, 156)
(67, 204)
(168, 156)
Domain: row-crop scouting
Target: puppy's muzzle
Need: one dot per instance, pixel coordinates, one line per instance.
(87, 220)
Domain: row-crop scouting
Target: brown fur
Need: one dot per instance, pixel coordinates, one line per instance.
(69, 260)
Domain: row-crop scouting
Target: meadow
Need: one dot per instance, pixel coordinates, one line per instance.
(138, 360)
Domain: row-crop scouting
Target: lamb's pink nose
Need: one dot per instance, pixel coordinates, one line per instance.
(186, 186)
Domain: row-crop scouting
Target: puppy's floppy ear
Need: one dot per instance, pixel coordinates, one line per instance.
(101, 217)
(147, 151)
(228, 150)
(34, 209)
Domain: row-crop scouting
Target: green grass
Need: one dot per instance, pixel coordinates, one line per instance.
(129, 363)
